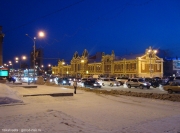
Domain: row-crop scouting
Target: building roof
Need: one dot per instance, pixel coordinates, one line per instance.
(128, 57)
(98, 57)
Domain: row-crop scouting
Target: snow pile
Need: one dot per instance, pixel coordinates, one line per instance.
(8, 96)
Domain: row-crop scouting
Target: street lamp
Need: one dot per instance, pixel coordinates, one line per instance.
(151, 53)
(18, 60)
(40, 34)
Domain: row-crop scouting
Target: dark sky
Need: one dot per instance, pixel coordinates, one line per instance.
(125, 26)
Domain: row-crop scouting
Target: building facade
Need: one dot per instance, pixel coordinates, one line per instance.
(1, 46)
(142, 65)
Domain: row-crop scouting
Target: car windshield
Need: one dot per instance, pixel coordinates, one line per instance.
(112, 79)
(93, 81)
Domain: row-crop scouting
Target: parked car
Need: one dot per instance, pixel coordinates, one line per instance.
(63, 81)
(92, 84)
(137, 82)
(84, 79)
(167, 80)
(122, 80)
(177, 78)
(108, 82)
(155, 82)
(174, 86)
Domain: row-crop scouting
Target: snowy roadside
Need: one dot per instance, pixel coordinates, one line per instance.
(8, 95)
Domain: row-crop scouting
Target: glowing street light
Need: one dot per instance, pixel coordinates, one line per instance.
(18, 60)
(41, 34)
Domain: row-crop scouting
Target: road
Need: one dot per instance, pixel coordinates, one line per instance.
(125, 88)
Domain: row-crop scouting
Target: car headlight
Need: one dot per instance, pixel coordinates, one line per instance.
(144, 83)
(64, 82)
(95, 84)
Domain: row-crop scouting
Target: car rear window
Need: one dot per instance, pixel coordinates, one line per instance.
(141, 80)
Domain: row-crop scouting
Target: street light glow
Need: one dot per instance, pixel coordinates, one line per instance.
(24, 57)
(155, 51)
(41, 34)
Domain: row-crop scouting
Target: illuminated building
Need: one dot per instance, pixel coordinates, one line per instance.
(139, 65)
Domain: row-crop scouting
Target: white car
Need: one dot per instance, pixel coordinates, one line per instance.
(108, 82)
(122, 80)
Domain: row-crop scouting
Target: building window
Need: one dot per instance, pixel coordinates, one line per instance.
(158, 66)
(127, 66)
(143, 66)
(119, 67)
(78, 67)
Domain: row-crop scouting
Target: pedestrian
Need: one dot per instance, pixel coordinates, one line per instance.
(75, 86)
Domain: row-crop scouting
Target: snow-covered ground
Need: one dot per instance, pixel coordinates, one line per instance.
(84, 112)
(8, 95)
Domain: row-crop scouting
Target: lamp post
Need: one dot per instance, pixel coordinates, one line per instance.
(49, 68)
(151, 53)
(41, 34)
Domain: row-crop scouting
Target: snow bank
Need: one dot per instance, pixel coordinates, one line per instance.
(8, 96)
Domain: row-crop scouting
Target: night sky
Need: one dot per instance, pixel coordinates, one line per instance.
(125, 26)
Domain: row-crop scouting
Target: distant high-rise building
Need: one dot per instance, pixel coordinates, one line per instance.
(1, 46)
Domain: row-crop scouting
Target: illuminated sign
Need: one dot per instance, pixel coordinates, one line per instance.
(4, 73)
(176, 64)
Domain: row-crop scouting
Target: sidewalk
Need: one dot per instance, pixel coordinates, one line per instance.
(88, 112)
(11, 93)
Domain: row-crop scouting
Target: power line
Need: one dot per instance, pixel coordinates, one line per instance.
(45, 15)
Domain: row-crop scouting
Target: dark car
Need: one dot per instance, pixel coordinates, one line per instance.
(11, 79)
(155, 82)
(167, 80)
(63, 81)
(92, 84)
